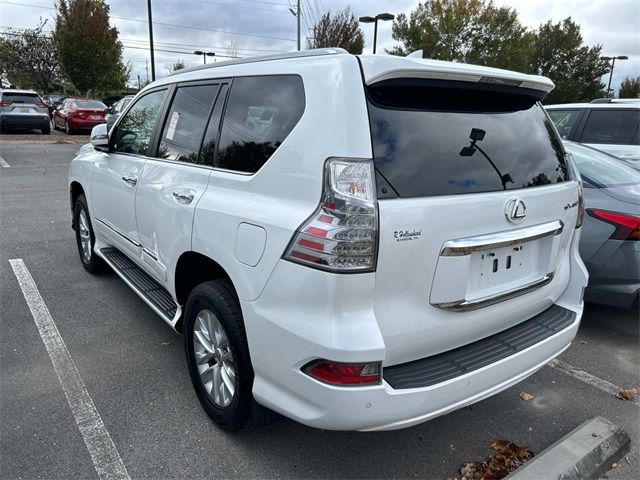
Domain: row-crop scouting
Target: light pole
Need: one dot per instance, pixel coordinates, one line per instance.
(374, 20)
(204, 55)
(613, 64)
(153, 61)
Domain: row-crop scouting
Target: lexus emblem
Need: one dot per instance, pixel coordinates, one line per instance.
(515, 210)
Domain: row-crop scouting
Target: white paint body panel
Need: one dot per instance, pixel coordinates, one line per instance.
(294, 314)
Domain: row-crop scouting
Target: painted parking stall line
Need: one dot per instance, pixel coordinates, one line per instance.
(586, 377)
(103, 452)
(3, 163)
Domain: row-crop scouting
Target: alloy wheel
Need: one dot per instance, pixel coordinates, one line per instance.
(214, 358)
(85, 235)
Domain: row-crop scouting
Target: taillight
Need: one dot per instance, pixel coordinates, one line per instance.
(344, 374)
(342, 234)
(5, 103)
(574, 174)
(627, 226)
(41, 105)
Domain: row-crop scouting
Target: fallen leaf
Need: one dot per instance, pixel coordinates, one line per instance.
(583, 342)
(165, 344)
(627, 393)
(507, 457)
(614, 466)
(526, 396)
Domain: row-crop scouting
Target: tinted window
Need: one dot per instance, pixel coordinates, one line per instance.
(260, 113)
(211, 136)
(611, 126)
(133, 133)
(89, 104)
(186, 122)
(602, 170)
(564, 120)
(441, 141)
(21, 97)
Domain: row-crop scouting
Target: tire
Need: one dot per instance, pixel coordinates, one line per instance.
(210, 302)
(84, 231)
(46, 130)
(67, 129)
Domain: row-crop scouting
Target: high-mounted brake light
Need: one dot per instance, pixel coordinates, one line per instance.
(627, 226)
(342, 234)
(345, 374)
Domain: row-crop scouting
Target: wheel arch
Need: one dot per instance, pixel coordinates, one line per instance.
(75, 190)
(192, 269)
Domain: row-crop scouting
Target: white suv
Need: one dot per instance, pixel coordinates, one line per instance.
(356, 242)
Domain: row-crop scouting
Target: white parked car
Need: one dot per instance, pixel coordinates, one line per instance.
(612, 126)
(356, 242)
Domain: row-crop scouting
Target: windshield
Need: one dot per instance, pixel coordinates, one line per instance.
(89, 104)
(435, 139)
(600, 169)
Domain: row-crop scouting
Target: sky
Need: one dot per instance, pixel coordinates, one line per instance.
(263, 27)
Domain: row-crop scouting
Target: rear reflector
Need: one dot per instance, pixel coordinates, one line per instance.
(627, 226)
(344, 374)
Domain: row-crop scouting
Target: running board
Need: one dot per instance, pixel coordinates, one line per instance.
(148, 289)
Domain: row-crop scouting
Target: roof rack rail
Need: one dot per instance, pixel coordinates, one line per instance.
(265, 58)
(601, 100)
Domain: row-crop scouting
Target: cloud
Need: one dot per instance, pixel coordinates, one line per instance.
(611, 23)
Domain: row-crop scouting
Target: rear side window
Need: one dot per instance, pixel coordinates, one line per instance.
(564, 120)
(21, 97)
(442, 140)
(186, 122)
(611, 126)
(260, 114)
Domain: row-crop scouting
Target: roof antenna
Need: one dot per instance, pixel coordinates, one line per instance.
(416, 54)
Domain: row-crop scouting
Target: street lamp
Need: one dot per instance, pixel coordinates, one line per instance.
(374, 20)
(204, 54)
(613, 64)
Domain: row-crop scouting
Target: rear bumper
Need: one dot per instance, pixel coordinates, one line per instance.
(284, 335)
(80, 124)
(24, 121)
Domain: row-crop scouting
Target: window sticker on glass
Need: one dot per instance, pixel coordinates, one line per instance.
(172, 125)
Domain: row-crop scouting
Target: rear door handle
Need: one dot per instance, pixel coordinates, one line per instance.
(130, 179)
(183, 196)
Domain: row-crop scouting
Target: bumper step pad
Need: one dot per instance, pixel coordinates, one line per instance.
(454, 363)
(143, 282)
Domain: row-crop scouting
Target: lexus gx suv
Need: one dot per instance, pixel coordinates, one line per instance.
(354, 242)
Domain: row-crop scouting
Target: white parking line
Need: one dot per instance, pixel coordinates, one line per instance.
(104, 455)
(3, 163)
(586, 377)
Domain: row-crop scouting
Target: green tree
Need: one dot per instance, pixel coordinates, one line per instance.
(179, 65)
(30, 57)
(471, 31)
(338, 31)
(576, 69)
(89, 49)
(630, 88)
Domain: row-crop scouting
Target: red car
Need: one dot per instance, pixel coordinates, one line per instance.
(75, 114)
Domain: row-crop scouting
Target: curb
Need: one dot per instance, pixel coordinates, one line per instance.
(587, 452)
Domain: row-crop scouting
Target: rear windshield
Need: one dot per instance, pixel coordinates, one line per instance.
(89, 104)
(21, 97)
(601, 170)
(442, 140)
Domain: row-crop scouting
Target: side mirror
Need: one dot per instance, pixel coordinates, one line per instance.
(100, 137)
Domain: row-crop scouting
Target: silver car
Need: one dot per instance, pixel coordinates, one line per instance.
(24, 110)
(610, 242)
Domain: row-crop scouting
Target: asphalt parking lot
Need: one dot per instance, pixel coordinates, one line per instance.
(133, 367)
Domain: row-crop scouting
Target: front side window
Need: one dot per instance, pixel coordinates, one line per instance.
(260, 114)
(133, 133)
(186, 122)
(616, 127)
(564, 120)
